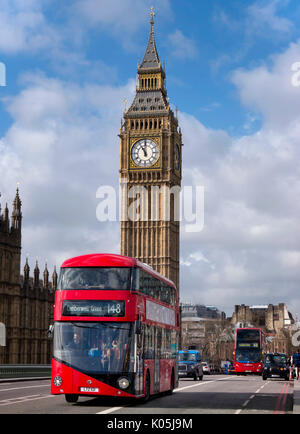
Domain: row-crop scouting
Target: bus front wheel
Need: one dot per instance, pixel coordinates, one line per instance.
(71, 398)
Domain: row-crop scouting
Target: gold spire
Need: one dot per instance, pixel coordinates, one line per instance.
(152, 15)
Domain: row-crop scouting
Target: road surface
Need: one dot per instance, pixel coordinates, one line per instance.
(216, 394)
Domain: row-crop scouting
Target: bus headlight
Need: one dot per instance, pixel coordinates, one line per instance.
(57, 381)
(123, 382)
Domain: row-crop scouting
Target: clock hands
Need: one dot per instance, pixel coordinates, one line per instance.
(145, 153)
(144, 148)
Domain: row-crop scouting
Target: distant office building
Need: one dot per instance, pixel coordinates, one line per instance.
(205, 328)
(201, 311)
(211, 312)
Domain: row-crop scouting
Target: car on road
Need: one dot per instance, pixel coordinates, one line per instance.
(189, 364)
(275, 365)
(206, 368)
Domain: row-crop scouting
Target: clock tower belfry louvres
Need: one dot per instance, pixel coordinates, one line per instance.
(150, 170)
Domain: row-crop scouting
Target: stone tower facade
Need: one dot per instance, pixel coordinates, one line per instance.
(150, 170)
(26, 304)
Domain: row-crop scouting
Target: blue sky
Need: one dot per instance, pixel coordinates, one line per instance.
(201, 43)
(69, 67)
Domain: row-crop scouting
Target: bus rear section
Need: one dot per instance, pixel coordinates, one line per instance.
(107, 341)
(248, 351)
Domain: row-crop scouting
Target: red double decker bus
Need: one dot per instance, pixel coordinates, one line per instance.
(116, 329)
(248, 350)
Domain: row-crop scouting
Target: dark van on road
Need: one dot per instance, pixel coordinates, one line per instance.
(275, 365)
(190, 365)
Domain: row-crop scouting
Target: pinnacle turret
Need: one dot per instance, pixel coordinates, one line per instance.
(16, 213)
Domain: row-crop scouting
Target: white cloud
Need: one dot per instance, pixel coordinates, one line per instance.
(181, 46)
(121, 18)
(61, 147)
(268, 89)
(23, 26)
(252, 186)
(265, 14)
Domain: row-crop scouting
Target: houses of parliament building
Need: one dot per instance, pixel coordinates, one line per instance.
(26, 303)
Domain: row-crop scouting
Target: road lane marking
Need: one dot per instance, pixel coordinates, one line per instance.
(23, 399)
(111, 410)
(10, 400)
(201, 383)
(284, 399)
(24, 387)
(248, 400)
(280, 403)
(193, 385)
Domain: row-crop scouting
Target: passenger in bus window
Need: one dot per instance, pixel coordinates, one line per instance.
(74, 343)
(96, 351)
(123, 281)
(86, 279)
(112, 280)
(105, 356)
(72, 280)
(115, 355)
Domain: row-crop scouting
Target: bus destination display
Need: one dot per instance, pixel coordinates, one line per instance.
(103, 308)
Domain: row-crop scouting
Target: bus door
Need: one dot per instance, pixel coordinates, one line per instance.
(139, 358)
(157, 354)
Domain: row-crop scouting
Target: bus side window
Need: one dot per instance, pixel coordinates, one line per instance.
(168, 344)
(146, 342)
(173, 296)
(136, 281)
(150, 287)
(174, 344)
(163, 292)
(157, 289)
(158, 343)
(143, 283)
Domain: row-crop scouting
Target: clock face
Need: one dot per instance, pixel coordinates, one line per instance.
(145, 153)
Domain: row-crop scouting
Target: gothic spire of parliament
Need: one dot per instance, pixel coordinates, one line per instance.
(26, 303)
(150, 169)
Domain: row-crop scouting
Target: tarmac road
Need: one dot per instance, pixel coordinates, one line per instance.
(216, 394)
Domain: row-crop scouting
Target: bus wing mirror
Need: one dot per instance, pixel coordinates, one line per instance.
(50, 331)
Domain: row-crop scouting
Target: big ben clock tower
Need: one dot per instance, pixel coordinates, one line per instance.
(150, 170)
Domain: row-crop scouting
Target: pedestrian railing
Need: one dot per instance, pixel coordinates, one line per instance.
(25, 371)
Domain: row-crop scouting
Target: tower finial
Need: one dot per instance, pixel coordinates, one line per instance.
(152, 15)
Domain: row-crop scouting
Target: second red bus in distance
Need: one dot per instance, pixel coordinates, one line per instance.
(248, 351)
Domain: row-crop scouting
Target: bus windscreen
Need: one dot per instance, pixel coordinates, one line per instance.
(95, 347)
(94, 278)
